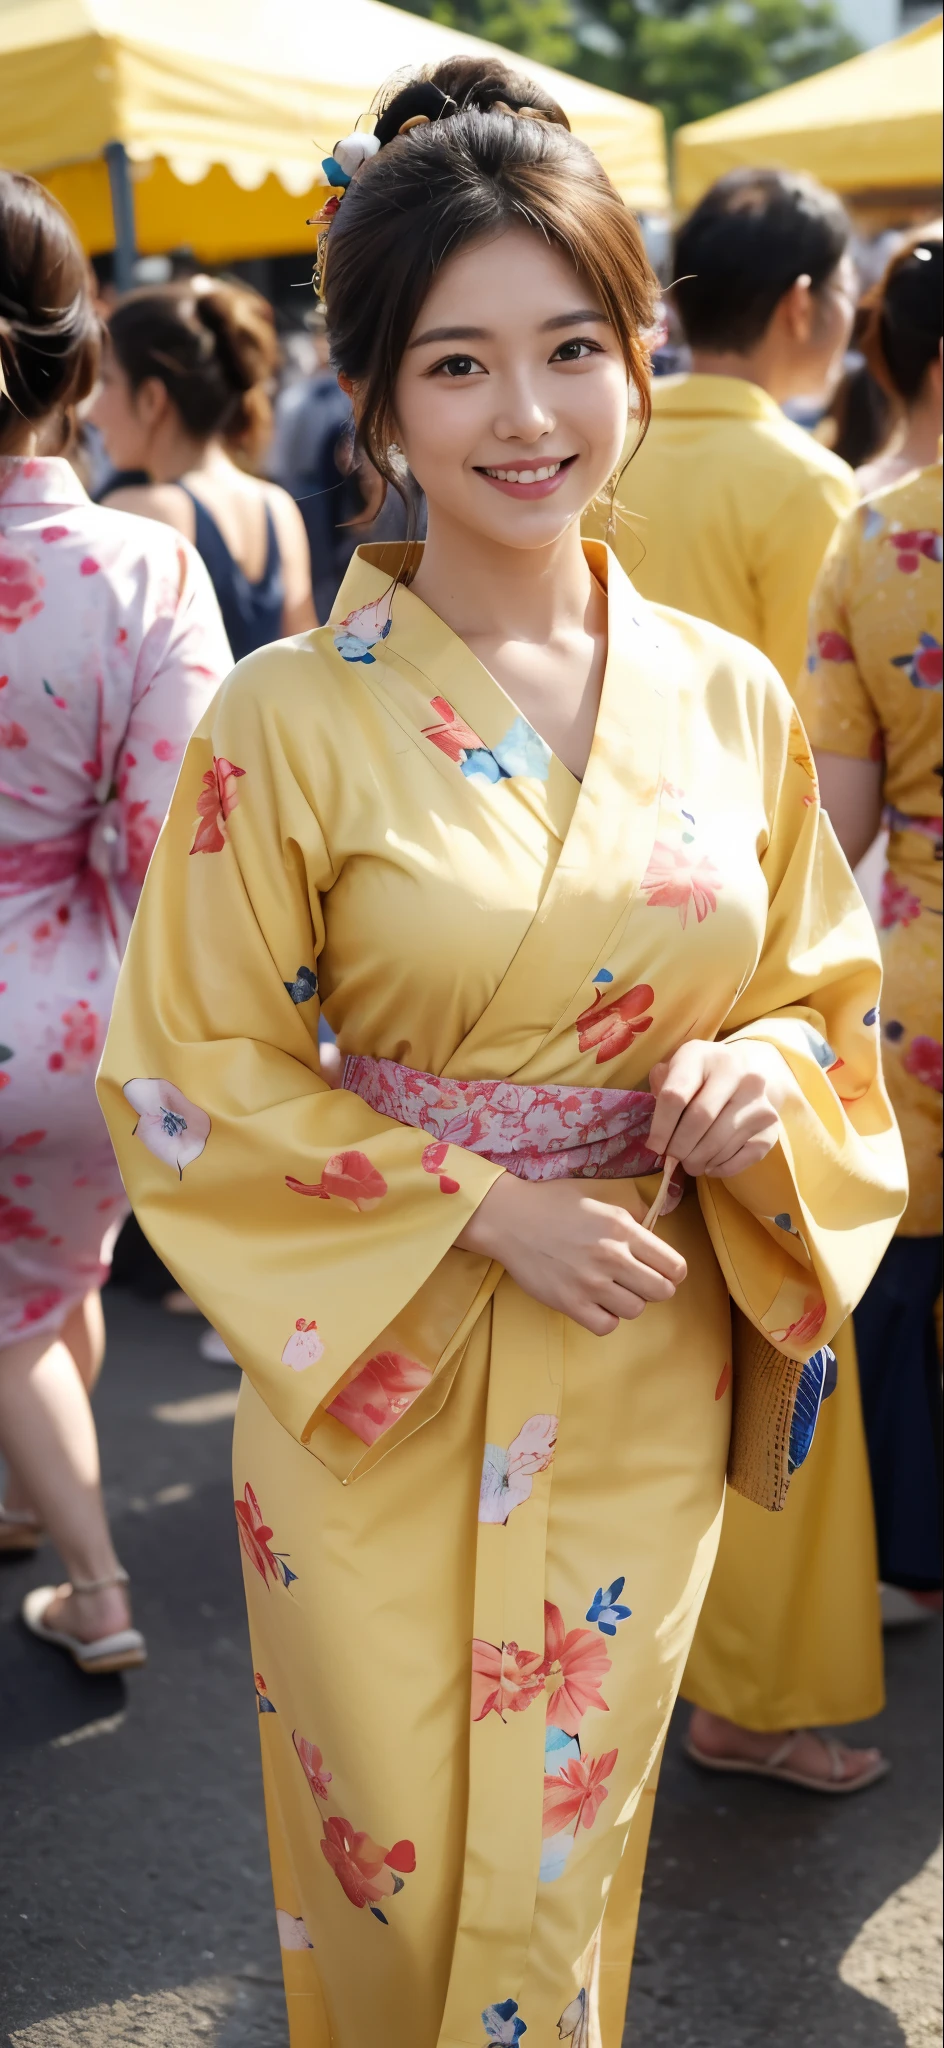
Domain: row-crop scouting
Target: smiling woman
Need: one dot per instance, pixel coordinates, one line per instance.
(552, 861)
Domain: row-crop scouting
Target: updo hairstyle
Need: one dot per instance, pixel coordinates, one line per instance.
(214, 348)
(49, 330)
(903, 332)
(468, 150)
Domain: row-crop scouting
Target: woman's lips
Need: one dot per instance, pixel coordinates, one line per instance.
(528, 480)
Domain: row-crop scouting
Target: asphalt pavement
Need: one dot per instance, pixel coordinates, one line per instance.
(135, 1903)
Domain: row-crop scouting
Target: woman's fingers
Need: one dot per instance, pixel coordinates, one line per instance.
(739, 1123)
(674, 1082)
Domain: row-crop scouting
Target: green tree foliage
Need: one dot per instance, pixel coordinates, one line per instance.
(688, 57)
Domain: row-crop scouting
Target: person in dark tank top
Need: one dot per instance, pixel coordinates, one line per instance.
(184, 398)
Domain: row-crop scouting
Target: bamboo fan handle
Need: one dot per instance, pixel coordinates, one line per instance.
(652, 1215)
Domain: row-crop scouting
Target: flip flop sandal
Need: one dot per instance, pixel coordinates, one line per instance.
(123, 1651)
(777, 1766)
(20, 1531)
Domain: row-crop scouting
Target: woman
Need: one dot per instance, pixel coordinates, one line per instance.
(184, 387)
(872, 703)
(480, 818)
(902, 348)
(111, 645)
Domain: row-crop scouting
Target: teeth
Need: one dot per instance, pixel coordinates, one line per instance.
(524, 476)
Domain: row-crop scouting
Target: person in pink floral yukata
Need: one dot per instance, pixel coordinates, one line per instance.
(111, 645)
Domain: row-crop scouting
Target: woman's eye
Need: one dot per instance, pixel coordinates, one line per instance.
(572, 351)
(457, 366)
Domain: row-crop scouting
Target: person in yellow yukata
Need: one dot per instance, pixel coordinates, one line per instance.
(728, 507)
(552, 861)
(726, 511)
(872, 703)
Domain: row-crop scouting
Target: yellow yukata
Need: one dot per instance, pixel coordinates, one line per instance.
(475, 1537)
(872, 691)
(727, 509)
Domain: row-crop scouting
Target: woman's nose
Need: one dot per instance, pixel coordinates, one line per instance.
(523, 413)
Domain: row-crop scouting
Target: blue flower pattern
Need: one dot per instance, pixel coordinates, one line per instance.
(605, 1610)
(503, 2023)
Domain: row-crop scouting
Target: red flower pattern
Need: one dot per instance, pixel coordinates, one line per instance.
(312, 1763)
(678, 880)
(899, 904)
(505, 1680)
(349, 1176)
(379, 1394)
(365, 1870)
(574, 1796)
(20, 586)
(921, 543)
(833, 646)
(217, 801)
(612, 1027)
(923, 1059)
(575, 1663)
(454, 738)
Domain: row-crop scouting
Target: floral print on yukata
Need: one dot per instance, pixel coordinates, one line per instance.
(111, 646)
(873, 692)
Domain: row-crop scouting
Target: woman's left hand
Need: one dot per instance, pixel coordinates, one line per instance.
(718, 1106)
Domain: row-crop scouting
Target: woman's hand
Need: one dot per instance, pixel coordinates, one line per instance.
(589, 1259)
(718, 1106)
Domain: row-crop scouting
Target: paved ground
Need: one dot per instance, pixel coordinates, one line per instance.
(134, 1891)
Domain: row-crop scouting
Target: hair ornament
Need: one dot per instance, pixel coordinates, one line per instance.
(519, 113)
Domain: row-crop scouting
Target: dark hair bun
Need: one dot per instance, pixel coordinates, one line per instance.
(462, 85)
(214, 347)
(49, 329)
(903, 333)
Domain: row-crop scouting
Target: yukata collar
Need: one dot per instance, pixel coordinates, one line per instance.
(39, 480)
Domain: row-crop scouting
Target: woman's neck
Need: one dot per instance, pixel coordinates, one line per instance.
(480, 587)
(174, 453)
(917, 442)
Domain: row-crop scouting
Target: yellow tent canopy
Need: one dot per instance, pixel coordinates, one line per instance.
(867, 127)
(224, 108)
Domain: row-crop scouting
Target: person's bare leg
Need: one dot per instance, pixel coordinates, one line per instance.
(719, 1738)
(47, 1434)
(83, 1333)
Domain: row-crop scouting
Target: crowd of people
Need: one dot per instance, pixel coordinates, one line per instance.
(446, 818)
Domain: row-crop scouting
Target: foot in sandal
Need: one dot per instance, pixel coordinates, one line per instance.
(91, 1620)
(797, 1756)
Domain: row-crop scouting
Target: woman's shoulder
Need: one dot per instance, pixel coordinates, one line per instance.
(303, 674)
(166, 504)
(718, 678)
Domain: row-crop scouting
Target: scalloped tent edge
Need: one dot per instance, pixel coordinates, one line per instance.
(217, 112)
(868, 127)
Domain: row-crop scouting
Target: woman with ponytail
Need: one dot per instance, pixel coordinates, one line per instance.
(902, 348)
(551, 860)
(184, 397)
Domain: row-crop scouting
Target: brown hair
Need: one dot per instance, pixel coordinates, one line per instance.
(468, 150)
(903, 331)
(214, 348)
(49, 330)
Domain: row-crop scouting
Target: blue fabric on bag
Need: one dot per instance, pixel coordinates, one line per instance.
(817, 1382)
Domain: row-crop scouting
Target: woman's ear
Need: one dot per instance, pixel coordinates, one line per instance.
(151, 401)
(796, 310)
(346, 384)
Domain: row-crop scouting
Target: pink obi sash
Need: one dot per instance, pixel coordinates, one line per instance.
(42, 862)
(546, 1132)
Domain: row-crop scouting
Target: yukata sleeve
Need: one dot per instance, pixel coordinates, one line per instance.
(305, 1225)
(832, 692)
(182, 660)
(789, 552)
(799, 1236)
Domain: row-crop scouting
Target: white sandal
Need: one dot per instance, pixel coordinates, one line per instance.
(20, 1530)
(776, 1765)
(123, 1651)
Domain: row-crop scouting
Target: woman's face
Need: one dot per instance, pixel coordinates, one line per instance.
(512, 398)
(116, 412)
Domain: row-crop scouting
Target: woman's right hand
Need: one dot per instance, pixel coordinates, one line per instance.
(589, 1259)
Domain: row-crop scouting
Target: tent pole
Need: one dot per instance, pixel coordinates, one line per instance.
(122, 208)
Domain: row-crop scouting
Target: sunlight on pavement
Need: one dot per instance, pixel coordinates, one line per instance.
(895, 1958)
(158, 2019)
(89, 1730)
(200, 1408)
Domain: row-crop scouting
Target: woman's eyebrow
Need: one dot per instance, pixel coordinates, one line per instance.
(583, 313)
(574, 319)
(451, 334)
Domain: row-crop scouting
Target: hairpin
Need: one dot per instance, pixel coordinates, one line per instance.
(339, 169)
